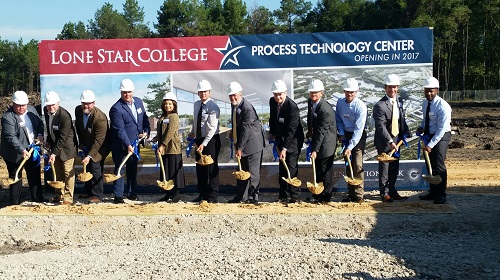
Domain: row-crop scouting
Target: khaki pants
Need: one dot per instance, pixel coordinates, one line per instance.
(65, 172)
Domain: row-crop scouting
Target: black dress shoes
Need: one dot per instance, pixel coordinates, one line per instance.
(440, 200)
(252, 201)
(132, 196)
(198, 199)
(40, 199)
(399, 197)
(118, 200)
(294, 200)
(428, 196)
(387, 198)
(234, 200)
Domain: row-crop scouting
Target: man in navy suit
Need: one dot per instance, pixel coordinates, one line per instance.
(129, 123)
(285, 128)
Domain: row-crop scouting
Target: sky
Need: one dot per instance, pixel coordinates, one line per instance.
(43, 20)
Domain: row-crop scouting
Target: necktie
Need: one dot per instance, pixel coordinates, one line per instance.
(395, 118)
(198, 122)
(235, 139)
(309, 119)
(51, 129)
(427, 119)
(279, 109)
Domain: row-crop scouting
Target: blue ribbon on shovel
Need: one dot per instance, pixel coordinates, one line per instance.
(275, 151)
(308, 150)
(189, 146)
(154, 146)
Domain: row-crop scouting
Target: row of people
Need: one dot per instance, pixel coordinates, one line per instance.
(22, 127)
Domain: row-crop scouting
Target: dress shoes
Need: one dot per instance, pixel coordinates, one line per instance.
(132, 196)
(40, 199)
(198, 199)
(56, 199)
(94, 200)
(399, 197)
(165, 198)
(213, 200)
(118, 200)
(440, 200)
(428, 196)
(294, 200)
(387, 198)
(234, 200)
(281, 200)
(252, 201)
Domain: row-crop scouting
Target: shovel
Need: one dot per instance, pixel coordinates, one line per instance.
(383, 157)
(85, 176)
(16, 178)
(292, 181)
(165, 185)
(240, 174)
(108, 178)
(55, 184)
(430, 178)
(351, 180)
(205, 159)
(315, 188)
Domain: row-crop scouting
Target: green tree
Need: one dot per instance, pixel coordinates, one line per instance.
(291, 13)
(31, 70)
(154, 98)
(134, 15)
(108, 23)
(173, 18)
(260, 21)
(234, 14)
(72, 31)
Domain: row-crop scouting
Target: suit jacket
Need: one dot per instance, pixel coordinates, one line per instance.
(14, 134)
(382, 114)
(93, 136)
(250, 137)
(324, 129)
(286, 126)
(64, 144)
(124, 127)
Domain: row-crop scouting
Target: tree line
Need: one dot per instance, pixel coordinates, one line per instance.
(466, 32)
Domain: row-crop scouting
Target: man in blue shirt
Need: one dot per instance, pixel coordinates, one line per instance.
(350, 116)
(436, 125)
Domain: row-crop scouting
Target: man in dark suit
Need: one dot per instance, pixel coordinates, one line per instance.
(61, 138)
(21, 127)
(323, 133)
(285, 128)
(92, 127)
(390, 126)
(129, 123)
(248, 139)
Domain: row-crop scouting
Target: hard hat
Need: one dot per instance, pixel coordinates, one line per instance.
(278, 86)
(234, 87)
(350, 85)
(127, 85)
(431, 83)
(170, 96)
(87, 96)
(51, 98)
(204, 85)
(20, 98)
(392, 80)
(316, 85)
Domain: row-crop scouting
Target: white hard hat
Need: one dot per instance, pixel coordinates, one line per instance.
(392, 80)
(316, 85)
(127, 85)
(233, 88)
(278, 86)
(204, 85)
(20, 98)
(350, 85)
(431, 83)
(170, 96)
(51, 98)
(87, 96)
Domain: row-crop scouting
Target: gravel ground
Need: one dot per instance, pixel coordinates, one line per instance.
(461, 245)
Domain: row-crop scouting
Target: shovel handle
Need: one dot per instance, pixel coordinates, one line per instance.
(53, 171)
(350, 166)
(428, 162)
(22, 163)
(162, 166)
(239, 163)
(397, 147)
(314, 170)
(286, 167)
(122, 164)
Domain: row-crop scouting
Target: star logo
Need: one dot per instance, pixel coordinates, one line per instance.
(230, 54)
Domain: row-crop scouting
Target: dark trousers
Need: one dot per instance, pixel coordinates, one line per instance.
(387, 177)
(95, 186)
(131, 172)
(285, 188)
(34, 181)
(208, 176)
(437, 158)
(250, 188)
(324, 172)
